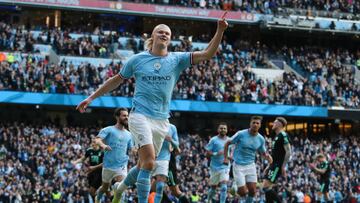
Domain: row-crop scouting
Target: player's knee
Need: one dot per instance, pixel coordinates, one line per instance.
(175, 191)
(92, 191)
(119, 178)
(266, 184)
(104, 187)
(242, 192)
(148, 164)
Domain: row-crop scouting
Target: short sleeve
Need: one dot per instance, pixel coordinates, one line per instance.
(235, 138)
(174, 136)
(87, 153)
(285, 138)
(103, 133)
(210, 145)
(325, 165)
(184, 60)
(127, 71)
(130, 143)
(262, 147)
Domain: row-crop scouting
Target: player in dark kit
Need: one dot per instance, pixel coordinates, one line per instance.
(95, 156)
(173, 180)
(281, 151)
(323, 168)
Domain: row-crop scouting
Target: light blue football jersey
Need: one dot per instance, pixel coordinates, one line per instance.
(120, 142)
(164, 153)
(246, 146)
(155, 78)
(216, 144)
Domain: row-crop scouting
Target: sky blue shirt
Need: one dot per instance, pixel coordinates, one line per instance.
(216, 144)
(120, 142)
(246, 146)
(155, 78)
(164, 153)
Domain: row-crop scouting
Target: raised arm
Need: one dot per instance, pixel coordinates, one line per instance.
(109, 85)
(213, 45)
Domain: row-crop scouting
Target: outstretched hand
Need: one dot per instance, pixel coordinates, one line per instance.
(83, 105)
(222, 23)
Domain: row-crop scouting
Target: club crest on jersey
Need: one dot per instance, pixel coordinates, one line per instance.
(157, 66)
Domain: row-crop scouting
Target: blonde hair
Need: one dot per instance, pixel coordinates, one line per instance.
(149, 43)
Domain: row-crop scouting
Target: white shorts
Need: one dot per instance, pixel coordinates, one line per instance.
(146, 130)
(161, 168)
(244, 174)
(109, 174)
(218, 176)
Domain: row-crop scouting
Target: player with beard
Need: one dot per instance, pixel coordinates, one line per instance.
(156, 72)
(116, 141)
(281, 151)
(219, 172)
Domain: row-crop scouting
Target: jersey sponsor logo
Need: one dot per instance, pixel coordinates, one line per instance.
(156, 78)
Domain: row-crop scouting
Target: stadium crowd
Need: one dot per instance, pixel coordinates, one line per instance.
(35, 164)
(265, 6)
(228, 77)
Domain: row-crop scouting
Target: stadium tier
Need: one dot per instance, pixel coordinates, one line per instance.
(327, 76)
(36, 159)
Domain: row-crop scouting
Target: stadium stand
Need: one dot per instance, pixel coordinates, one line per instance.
(228, 77)
(35, 158)
(35, 161)
(265, 6)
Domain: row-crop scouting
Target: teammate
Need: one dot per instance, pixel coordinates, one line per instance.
(172, 178)
(116, 141)
(156, 71)
(95, 156)
(219, 172)
(281, 151)
(323, 168)
(165, 170)
(247, 143)
(162, 162)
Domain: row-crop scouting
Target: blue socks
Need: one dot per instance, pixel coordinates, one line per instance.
(159, 191)
(223, 192)
(211, 194)
(143, 185)
(132, 176)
